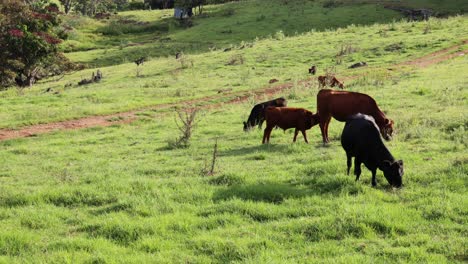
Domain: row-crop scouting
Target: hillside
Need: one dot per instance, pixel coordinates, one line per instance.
(246, 67)
(119, 191)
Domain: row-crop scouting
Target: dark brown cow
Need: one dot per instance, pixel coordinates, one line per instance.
(313, 70)
(257, 115)
(325, 80)
(289, 117)
(342, 104)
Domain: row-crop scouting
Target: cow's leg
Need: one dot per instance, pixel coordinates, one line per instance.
(296, 131)
(260, 123)
(325, 129)
(266, 135)
(357, 167)
(305, 136)
(323, 124)
(348, 162)
(374, 181)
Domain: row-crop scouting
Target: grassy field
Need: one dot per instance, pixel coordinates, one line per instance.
(246, 67)
(124, 194)
(156, 34)
(131, 34)
(121, 194)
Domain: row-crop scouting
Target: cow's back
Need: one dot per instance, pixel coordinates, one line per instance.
(284, 117)
(360, 135)
(343, 104)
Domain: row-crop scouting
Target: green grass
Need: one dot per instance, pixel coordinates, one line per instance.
(168, 80)
(119, 194)
(123, 194)
(157, 34)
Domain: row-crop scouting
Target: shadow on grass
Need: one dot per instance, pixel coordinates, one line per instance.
(278, 192)
(255, 149)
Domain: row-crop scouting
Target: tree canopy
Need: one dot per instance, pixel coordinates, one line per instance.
(29, 37)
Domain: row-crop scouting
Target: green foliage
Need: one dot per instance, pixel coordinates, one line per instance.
(29, 43)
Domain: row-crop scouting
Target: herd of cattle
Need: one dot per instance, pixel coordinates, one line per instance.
(360, 138)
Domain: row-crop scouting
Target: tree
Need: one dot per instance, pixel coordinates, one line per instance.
(29, 43)
(67, 5)
(189, 4)
(160, 4)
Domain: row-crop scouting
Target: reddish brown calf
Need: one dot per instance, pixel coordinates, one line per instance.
(324, 81)
(342, 104)
(289, 117)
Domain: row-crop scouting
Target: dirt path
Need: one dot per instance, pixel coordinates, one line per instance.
(236, 97)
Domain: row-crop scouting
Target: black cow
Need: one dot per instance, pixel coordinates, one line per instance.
(140, 61)
(257, 115)
(357, 65)
(313, 70)
(361, 139)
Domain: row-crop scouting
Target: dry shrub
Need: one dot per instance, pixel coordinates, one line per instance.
(186, 121)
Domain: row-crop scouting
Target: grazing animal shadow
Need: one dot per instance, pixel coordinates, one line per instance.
(270, 192)
(254, 149)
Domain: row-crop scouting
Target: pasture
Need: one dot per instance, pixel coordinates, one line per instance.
(125, 194)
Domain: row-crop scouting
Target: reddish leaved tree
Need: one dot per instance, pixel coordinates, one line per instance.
(29, 41)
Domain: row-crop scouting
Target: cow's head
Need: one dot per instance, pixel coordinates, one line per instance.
(312, 120)
(246, 127)
(387, 129)
(393, 172)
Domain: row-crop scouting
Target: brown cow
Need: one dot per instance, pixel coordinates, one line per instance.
(325, 80)
(289, 117)
(342, 104)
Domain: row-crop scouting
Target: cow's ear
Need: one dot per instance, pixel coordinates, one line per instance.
(387, 163)
(387, 121)
(400, 162)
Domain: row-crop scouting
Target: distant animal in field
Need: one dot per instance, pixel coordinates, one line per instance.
(140, 61)
(361, 139)
(313, 70)
(178, 55)
(257, 115)
(342, 104)
(94, 78)
(288, 117)
(357, 65)
(273, 81)
(329, 80)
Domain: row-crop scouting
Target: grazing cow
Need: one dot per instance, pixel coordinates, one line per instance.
(257, 115)
(325, 80)
(289, 117)
(357, 65)
(361, 140)
(313, 70)
(342, 104)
